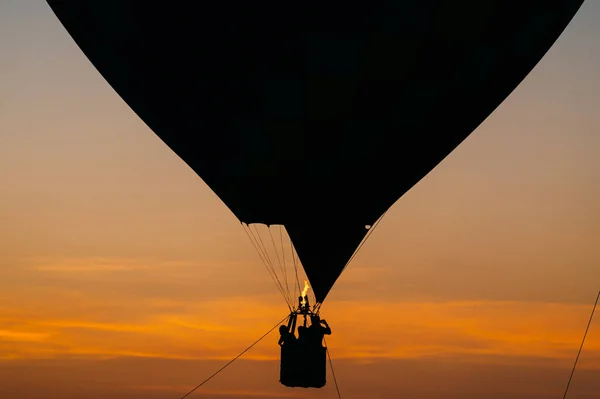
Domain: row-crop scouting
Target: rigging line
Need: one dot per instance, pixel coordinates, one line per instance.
(581, 347)
(264, 249)
(235, 358)
(275, 249)
(295, 265)
(273, 277)
(281, 266)
(371, 230)
(265, 263)
(270, 263)
(317, 308)
(253, 241)
(284, 264)
(258, 248)
(337, 388)
(258, 252)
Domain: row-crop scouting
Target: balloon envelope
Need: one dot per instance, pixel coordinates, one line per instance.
(314, 115)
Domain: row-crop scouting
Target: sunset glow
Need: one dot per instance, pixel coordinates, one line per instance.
(122, 275)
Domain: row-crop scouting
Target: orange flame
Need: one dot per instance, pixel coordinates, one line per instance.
(304, 292)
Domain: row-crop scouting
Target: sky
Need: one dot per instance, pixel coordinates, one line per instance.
(122, 274)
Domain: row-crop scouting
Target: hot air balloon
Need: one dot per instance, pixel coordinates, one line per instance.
(314, 116)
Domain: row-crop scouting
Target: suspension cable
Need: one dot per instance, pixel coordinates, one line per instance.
(270, 270)
(281, 265)
(294, 256)
(364, 240)
(266, 253)
(337, 388)
(581, 347)
(263, 248)
(266, 263)
(284, 264)
(258, 251)
(235, 358)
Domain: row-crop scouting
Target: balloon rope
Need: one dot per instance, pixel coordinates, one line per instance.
(294, 259)
(235, 358)
(337, 388)
(284, 264)
(371, 230)
(581, 347)
(264, 248)
(266, 263)
(269, 267)
(281, 266)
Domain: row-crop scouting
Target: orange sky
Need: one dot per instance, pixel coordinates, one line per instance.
(122, 275)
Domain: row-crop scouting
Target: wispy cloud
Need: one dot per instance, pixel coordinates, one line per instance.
(425, 329)
(90, 268)
(89, 264)
(219, 329)
(8, 335)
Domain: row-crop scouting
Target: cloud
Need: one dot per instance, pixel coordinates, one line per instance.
(130, 281)
(128, 312)
(221, 328)
(90, 268)
(421, 329)
(8, 335)
(97, 264)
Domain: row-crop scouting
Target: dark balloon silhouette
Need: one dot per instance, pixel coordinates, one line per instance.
(316, 116)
